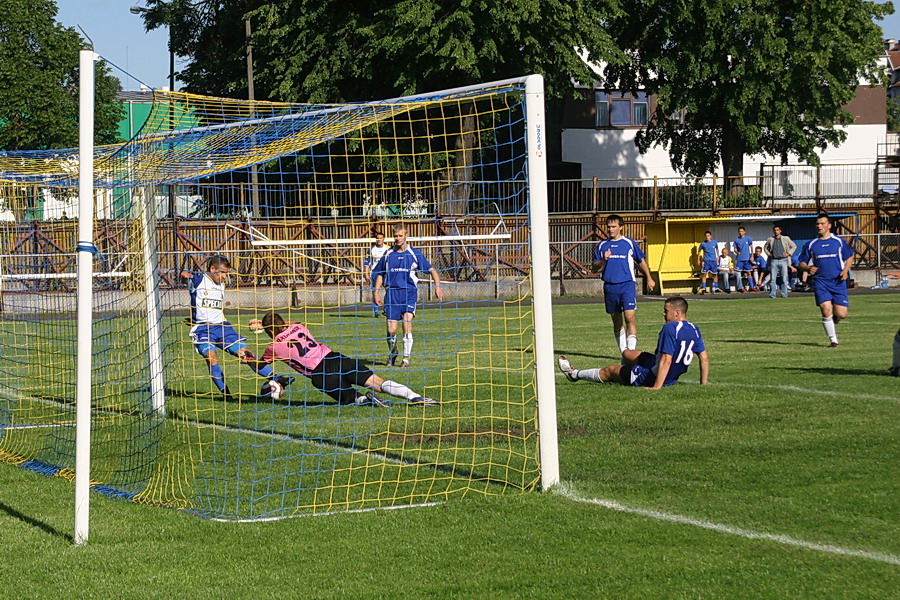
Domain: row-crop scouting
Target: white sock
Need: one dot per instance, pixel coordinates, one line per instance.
(588, 375)
(621, 340)
(632, 342)
(407, 344)
(828, 324)
(398, 390)
(361, 399)
(392, 344)
(897, 350)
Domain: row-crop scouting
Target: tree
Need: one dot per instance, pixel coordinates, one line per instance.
(748, 76)
(39, 81)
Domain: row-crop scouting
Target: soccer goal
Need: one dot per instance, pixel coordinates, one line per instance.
(291, 198)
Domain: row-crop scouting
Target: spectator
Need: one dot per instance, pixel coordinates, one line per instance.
(726, 268)
(758, 262)
(780, 248)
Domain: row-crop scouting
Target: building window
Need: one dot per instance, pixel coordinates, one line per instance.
(621, 109)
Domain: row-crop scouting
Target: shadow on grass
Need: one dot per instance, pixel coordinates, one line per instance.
(832, 370)
(34, 522)
(773, 342)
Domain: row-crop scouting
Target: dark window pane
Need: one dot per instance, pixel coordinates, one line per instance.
(602, 114)
(620, 112)
(640, 113)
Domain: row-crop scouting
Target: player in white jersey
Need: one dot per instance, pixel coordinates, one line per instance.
(210, 330)
(374, 255)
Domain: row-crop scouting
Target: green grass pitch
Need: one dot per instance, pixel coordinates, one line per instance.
(792, 440)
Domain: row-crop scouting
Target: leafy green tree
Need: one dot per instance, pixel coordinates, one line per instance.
(748, 76)
(39, 81)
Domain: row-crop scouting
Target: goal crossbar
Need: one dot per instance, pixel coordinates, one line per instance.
(428, 238)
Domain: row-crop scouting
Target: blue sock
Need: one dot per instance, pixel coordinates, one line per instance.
(265, 371)
(218, 377)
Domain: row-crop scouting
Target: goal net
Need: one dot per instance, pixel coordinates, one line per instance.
(288, 200)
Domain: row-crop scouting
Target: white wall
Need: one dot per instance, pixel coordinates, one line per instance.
(611, 153)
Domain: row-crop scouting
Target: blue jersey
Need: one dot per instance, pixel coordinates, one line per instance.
(743, 248)
(759, 262)
(399, 268)
(710, 250)
(680, 339)
(619, 267)
(829, 255)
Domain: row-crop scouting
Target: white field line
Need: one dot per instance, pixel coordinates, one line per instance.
(786, 388)
(37, 426)
(329, 513)
(566, 491)
(811, 392)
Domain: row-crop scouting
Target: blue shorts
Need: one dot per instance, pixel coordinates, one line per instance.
(400, 300)
(743, 265)
(619, 297)
(830, 291)
(641, 374)
(710, 266)
(208, 336)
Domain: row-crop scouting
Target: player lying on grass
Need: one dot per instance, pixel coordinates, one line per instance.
(679, 341)
(330, 371)
(209, 329)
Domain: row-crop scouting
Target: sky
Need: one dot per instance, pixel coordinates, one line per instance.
(119, 37)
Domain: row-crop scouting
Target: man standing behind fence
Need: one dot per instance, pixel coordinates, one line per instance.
(615, 257)
(779, 248)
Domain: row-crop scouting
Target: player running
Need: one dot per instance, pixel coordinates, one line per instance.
(330, 371)
(615, 257)
(210, 330)
(679, 341)
(828, 259)
(397, 271)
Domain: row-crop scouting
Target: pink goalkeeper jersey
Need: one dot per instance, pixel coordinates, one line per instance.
(297, 347)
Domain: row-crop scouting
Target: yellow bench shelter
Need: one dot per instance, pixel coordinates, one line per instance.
(673, 244)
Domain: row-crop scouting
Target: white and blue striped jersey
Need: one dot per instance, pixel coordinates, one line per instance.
(399, 268)
(374, 255)
(619, 267)
(207, 299)
(829, 255)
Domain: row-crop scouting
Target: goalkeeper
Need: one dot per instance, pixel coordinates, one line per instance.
(329, 371)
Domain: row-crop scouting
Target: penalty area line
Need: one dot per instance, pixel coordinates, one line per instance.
(566, 491)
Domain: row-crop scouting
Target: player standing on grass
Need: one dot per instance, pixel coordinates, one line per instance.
(615, 257)
(828, 259)
(209, 329)
(397, 271)
(743, 246)
(372, 258)
(679, 341)
(330, 371)
(708, 258)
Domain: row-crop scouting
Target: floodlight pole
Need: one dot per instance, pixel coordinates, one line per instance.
(538, 214)
(85, 297)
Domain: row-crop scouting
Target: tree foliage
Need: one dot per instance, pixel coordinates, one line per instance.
(751, 76)
(343, 50)
(39, 81)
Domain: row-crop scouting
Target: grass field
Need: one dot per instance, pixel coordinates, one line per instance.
(779, 480)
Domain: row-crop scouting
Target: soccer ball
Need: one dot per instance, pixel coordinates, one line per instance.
(272, 389)
(255, 326)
